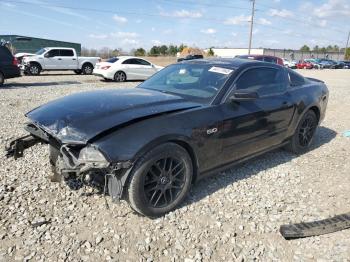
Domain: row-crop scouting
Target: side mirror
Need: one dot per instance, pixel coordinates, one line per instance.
(242, 95)
(47, 55)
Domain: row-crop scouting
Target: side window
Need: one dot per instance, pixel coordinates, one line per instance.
(129, 62)
(142, 62)
(295, 79)
(53, 53)
(265, 81)
(66, 52)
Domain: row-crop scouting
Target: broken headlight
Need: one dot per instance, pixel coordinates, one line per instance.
(91, 154)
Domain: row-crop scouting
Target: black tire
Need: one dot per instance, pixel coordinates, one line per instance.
(34, 69)
(2, 79)
(304, 133)
(120, 76)
(78, 72)
(87, 69)
(160, 180)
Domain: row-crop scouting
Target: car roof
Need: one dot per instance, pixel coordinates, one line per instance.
(228, 62)
(124, 57)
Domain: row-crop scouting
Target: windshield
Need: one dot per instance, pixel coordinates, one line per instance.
(41, 51)
(194, 81)
(112, 60)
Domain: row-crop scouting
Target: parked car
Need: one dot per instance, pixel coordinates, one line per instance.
(8, 65)
(289, 63)
(58, 58)
(189, 57)
(327, 63)
(346, 64)
(338, 65)
(149, 144)
(315, 63)
(124, 68)
(264, 58)
(302, 64)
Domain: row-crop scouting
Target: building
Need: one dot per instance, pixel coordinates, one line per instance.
(28, 44)
(282, 53)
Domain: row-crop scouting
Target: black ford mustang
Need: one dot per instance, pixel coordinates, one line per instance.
(150, 143)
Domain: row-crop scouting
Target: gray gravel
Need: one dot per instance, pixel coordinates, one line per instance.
(233, 216)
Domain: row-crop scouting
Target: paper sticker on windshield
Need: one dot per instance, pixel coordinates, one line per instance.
(182, 71)
(220, 70)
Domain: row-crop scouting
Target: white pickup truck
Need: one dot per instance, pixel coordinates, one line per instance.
(58, 58)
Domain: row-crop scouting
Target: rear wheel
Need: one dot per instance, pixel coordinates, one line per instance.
(120, 76)
(160, 180)
(34, 69)
(304, 134)
(87, 69)
(2, 79)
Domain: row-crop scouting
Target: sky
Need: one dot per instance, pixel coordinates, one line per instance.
(128, 24)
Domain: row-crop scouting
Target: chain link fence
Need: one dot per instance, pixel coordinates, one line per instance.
(299, 55)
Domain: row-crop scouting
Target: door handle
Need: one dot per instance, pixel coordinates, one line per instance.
(73, 59)
(59, 58)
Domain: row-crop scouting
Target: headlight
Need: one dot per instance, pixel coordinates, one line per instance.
(91, 154)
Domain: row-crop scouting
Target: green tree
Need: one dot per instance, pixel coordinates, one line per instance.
(347, 54)
(172, 50)
(305, 48)
(140, 52)
(329, 48)
(163, 50)
(336, 48)
(316, 48)
(323, 49)
(154, 51)
(211, 52)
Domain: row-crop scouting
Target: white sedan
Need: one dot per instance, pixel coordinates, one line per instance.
(124, 68)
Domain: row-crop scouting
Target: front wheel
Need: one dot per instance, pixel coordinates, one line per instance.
(304, 134)
(34, 69)
(160, 180)
(78, 72)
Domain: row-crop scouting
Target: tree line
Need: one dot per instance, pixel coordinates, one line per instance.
(156, 50)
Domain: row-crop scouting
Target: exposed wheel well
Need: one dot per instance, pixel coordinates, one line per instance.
(87, 63)
(190, 151)
(36, 63)
(316, 111)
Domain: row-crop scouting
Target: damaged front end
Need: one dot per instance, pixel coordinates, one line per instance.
(84, 162)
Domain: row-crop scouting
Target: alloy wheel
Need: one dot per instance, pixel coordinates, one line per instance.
(120, 77)
(306, 131)
(164, 181)
(34, 70)
(88, 70)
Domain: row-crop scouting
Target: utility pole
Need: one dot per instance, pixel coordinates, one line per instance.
(251, 26)
(346, 47)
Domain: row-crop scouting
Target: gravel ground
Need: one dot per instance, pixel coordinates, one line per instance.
(234, 215)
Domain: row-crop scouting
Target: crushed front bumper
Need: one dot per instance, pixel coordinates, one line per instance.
(66, 164)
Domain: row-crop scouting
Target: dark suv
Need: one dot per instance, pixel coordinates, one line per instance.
(8, 65)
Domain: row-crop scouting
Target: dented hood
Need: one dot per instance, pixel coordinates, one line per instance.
(80, 117)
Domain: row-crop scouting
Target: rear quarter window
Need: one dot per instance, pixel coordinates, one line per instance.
(5, 53)
(295, 79)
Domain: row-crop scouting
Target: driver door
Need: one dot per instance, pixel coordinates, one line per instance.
(255, 125)
(51, 59)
